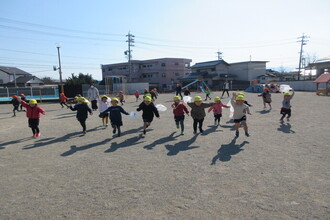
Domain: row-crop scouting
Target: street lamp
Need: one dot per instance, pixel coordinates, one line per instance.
(59, 68)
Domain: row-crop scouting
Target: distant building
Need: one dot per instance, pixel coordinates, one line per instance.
(320, 66)
(161, 73)
(8, 74)
(26, 81)
(218, 71)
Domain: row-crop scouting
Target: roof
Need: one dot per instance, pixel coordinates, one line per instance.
(13, 70)
(209, 64)
(250, 62)
(23, 79)
(324, 78)
(323, 60)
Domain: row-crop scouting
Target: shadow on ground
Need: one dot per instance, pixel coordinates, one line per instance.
(181, 146)
(264, 111)
(227, 150)
(211, 129)
(16, 141)
(161, 141)
(286, 128)
(127, 143)
(48, 141)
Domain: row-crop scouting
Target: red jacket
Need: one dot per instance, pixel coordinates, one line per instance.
(179, 109)
(32, 112)
(63, 98)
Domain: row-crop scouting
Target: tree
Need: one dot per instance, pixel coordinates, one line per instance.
(80, 79)
(48, 80)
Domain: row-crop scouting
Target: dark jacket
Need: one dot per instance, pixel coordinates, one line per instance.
(15, 102)
(198, 112)
(115, 114)
(186, 92)
(148, 110)
(82, 110)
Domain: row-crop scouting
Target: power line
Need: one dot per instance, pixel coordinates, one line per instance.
(303, 42)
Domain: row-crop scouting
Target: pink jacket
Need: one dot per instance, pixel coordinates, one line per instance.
(217, 108)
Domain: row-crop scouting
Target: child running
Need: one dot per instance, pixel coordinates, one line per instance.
(15, 103)
(23, 98)
(33, 112)
(63, 100)
(286, 106)
(179, 109)
(121, 97)
(266, 97)
(149, 110)
(104, 104)
(198, 112)
(137, 95)
(207, 92)
(186, 92)
(240, 110)
(217, 110)
(82, 111)
(115, 115)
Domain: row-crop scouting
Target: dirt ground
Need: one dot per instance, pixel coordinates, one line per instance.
(281, 172)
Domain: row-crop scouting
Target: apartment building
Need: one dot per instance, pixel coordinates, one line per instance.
(163, 73)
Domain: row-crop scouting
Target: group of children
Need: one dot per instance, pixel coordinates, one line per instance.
(109, 109)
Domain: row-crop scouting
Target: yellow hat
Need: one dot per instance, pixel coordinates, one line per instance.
(240, 97)
(33, 101)
(217, 99)
(115, 99)
(198, 99)
(147, 98)
(148, 94)
(80, 99)
(176, 98)
(287, 93)
(240, 93)
(76, 97)
(104, 96)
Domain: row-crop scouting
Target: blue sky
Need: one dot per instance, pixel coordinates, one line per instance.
(93, 32)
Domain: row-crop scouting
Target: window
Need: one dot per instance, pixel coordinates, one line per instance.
(109, 69)
(187, 65)
(164, 75)
(163, 64)
(213, 69)
(176, 64)
(164, 86)
(187, 74)
(177, 74)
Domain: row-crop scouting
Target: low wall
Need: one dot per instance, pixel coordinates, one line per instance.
(309, 86)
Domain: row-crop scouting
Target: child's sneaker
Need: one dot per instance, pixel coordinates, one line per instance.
(195, 132)
(38, 134)
(247, 134)
(182, 133)
(237, 134)
(34, 135)
(201, 131)
(144, 131)
(84, 132)
(177, 126)
(215, 124)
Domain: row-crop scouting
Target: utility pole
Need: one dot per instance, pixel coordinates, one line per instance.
(219, 55)
(128, 52)
(59, 67)
(303, 42)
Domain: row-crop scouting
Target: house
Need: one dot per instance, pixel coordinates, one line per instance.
(26, 81)
(8, 74)
(214, 73)
(321, 66)
(161, 73)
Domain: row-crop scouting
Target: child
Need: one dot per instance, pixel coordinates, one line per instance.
(104, 104)
(286, 106)
(207, 92)
(266, 97)
(23, 98)
(33, 112)
(178, 110)
(149, 110)
(137, 95)
(240, 110)
(153, 95)
(121, 97)
(15, 103)
(245, 102)
(186, 92)
(198, 112)
(115, 116)
(63, 100)
(82, 112)
(217, 110)
(156, 93)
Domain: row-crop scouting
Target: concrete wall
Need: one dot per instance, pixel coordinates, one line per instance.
(301, 85)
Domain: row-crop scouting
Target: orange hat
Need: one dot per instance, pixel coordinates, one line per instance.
(266, 89)
(62, 94)
(15, 96)
(22, 94)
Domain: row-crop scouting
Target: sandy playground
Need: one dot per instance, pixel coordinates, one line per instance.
(281, 172)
